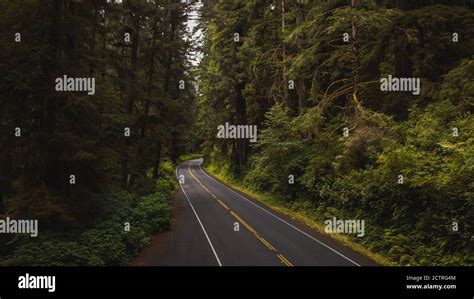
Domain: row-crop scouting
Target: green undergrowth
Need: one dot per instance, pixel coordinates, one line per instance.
(126, 220)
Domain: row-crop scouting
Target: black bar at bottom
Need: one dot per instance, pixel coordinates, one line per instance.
(242, 282)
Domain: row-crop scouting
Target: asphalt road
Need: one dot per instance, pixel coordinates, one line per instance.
(207, 213)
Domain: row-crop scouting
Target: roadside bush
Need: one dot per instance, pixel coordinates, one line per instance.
(153, 213)
(106, 243)
(54, 253)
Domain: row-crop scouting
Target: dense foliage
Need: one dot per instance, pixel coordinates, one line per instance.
(113, 142)
(344, 140)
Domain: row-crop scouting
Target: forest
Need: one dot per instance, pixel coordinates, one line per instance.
(95, 170)
(94, 161)
(331, 140)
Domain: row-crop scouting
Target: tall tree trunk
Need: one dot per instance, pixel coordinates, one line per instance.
(301, 86)
(131, 92)
(301, 94)
(173, 19)
(52, 174)
(355, 52)
(142, 162)
(241, 145)
(241, 113)
(285, 79)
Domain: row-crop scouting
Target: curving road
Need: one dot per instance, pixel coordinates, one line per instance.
(207, 213)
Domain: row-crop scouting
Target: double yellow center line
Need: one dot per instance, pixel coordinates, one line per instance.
(283, 260)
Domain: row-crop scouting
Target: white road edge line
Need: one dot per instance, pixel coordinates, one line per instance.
(199, 220)
(268, 212)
